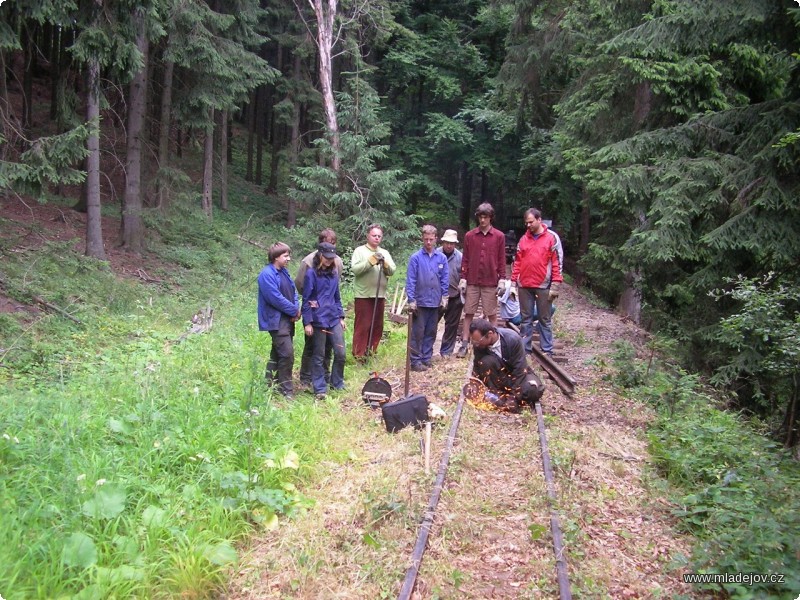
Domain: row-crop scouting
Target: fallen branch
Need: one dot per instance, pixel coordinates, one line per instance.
(142, 274)
(59, 310)
(255, 243)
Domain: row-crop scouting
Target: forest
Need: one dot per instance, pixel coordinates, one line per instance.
(660, 137)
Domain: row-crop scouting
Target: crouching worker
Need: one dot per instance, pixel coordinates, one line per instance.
(501, 365)
(323, 319)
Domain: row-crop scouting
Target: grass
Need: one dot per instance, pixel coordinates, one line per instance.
(736, 491)
(133, 464)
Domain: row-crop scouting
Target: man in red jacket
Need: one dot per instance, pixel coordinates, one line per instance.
(537, 274)
(483, 271)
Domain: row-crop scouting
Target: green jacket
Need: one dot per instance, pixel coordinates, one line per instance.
(366, 275)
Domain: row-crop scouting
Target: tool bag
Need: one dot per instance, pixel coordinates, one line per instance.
(412, 410)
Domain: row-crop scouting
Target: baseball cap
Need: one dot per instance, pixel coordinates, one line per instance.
(327, 250)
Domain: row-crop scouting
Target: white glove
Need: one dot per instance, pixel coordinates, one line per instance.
(553, 293)
(462, 286)
(502, 286)
(443, 303)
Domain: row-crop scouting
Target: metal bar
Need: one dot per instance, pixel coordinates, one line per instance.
(562, 378)
(430, 511)
(558, 540)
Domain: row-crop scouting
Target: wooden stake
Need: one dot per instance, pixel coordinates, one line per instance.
(394, 299)
(427, 448)
(403, 300)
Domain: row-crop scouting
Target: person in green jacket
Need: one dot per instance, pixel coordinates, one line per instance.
(371, 266)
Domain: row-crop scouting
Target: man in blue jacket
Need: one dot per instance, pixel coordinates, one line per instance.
(427, 283)
(278, 309)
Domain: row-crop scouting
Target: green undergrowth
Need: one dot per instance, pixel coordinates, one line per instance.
(135, 459)
(736, 491)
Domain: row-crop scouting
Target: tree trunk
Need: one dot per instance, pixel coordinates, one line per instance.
(55, 69)
(222, 159)
(29, 57)
(5, 107)
(94, 228)
(583, 242)
(791, 414)
(325, 11)
(208, 166)
(260, 93)
(294, 144)
(163, 133)
(132, 226)
(630, 302)
(465, 183)
(229, 139)
(251, 126)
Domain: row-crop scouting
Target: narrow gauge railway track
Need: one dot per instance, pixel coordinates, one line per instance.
(567, 384)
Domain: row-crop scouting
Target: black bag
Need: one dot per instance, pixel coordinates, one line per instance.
(412, 410)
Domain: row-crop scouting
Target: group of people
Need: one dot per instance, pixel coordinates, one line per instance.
(440, 283)
(318, 283)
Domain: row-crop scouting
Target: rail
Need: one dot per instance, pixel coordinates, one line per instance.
(561, 378)
(567, 385)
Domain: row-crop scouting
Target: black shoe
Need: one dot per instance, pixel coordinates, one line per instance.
(419, 367)
(427, 364)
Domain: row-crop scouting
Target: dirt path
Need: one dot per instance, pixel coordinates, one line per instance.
(491, 536)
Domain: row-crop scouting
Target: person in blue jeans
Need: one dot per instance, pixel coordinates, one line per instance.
(323, 319)
(278, 309)
(427, 282)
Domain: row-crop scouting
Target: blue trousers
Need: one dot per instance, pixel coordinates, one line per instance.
(538, 297)
(320, 340)
(423, 334)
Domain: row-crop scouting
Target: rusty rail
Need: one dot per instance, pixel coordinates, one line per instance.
(563, 380)
(430, 511)
(427, 522)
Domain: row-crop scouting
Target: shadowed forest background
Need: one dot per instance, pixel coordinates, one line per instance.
(662, 138)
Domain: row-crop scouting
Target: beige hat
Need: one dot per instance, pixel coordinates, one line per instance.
(450, 235)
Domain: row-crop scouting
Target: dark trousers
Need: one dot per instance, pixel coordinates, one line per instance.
(423, 334)
(452, 319)
(364, 308)
(324, 339)
(305, 360)
(281, 357)
(515, 389)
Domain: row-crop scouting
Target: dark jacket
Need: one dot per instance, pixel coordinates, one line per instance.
(513, 377)
(322, 287)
